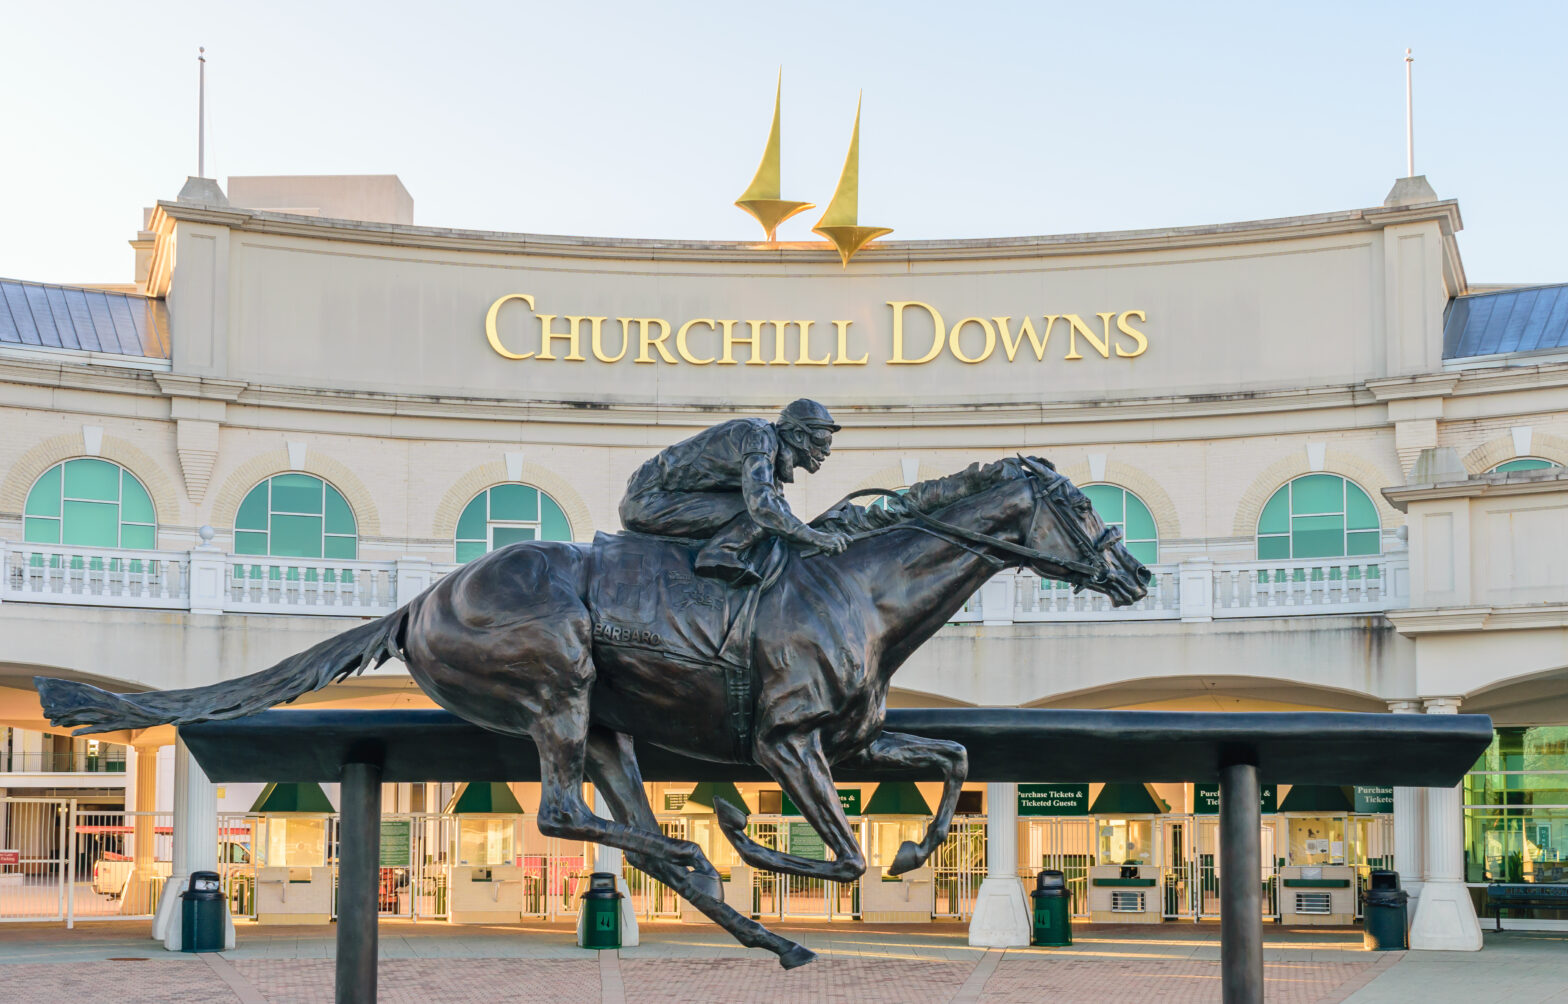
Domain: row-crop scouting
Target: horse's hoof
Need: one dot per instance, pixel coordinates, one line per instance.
(796, 955)
(733, 820)
(907, 859)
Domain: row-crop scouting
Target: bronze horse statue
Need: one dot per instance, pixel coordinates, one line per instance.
(510, 642)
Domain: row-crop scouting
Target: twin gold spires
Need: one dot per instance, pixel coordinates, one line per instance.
(839, 223)
(761, 197)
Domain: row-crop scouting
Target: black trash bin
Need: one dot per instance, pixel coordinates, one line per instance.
(1053, 922)
(1385, 928)
(601, 927)
(201, 913)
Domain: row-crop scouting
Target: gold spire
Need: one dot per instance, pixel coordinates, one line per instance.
(839, 223)
(761, 197)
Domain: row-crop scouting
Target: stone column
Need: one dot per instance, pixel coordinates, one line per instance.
(1409, 824)
(195, 845)
(1001, 917)
(139, 896)
(1445, 917)
(608, 859)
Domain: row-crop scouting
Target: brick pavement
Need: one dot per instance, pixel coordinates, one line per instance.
(538, 964)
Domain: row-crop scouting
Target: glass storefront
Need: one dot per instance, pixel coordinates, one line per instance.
(1516, 810)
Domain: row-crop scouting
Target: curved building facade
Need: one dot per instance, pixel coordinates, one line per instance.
(1342, 462)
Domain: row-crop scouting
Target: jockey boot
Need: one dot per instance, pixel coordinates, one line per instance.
(725, 557)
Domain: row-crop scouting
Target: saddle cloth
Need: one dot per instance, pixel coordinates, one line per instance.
(644, 594)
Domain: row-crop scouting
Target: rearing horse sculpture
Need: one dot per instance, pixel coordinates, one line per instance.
(509, 642)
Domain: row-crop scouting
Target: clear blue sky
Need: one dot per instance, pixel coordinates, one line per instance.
(646, 120)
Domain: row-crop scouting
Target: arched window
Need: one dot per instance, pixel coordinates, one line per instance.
(1119, 507)
(1318, 516)
(506, 514)
(1523, 464)
(296, 516)
(89, 502)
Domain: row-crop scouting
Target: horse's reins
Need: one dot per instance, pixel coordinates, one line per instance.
(1093, 570)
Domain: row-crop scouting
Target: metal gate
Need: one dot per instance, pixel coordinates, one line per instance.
(35, 836)
(1066, 845)
(119, 863)
(1203, 868)
(652, 899)
(415, 848)
(796, 897)
(958, 868)
(238, 838)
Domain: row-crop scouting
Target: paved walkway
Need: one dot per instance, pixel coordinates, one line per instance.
(678, 963)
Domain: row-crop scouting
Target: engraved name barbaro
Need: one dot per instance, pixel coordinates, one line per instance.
(920, 334)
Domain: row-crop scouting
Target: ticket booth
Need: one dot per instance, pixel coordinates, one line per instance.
(702, 829)
(896, 812)
(293, 878)
(1124, 881)
(486, 884)
(1317, 878)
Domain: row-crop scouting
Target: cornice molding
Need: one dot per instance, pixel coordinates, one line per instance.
(1445, 213)
(207, 388)
(1502, 483)
(1451, 620)
(1406, 388)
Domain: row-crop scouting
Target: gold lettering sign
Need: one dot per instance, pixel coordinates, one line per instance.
(917, 335)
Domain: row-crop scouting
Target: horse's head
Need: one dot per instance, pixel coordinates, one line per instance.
(1073, 544)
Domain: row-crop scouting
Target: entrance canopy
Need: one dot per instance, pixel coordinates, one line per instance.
(1005, 744)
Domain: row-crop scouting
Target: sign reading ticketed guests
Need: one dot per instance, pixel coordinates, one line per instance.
(1053, 799)
(1206, 799)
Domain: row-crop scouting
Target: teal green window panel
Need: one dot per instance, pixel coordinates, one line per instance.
(1107, 501)
(97, 480)
(297, 493)
(1523, 464)
(88, 502)
(1319, 516)
(514, 502)
(1121, 508)
(506, 514)
(296, 516)
(44, 499)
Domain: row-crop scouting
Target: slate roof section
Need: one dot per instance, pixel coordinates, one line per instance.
(1508, 321)
(91, 320)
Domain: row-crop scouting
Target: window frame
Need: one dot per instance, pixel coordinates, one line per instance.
(63, 500)
(270, 532)
(1291, 515)
(535, 525)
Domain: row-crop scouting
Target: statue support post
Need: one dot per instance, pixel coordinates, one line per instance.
(1001, 915)
(1241, 889)
(359, 872)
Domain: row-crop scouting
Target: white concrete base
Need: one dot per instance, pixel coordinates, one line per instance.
(1445, 919)
(1001, 917)
(629, 935)
(166, 922)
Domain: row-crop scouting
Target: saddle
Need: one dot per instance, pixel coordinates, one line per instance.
(645, 594)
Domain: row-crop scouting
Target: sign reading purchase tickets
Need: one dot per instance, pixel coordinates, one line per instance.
(1372, 798)
(395, 837)
(848, 799)
(916, 334)
(1206, 799)
(1053, 799)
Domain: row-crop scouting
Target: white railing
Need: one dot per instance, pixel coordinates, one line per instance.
(94, 576)
(309, 586)
(206, 580)
(1202, 590)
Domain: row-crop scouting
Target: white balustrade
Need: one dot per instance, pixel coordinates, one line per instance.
(94, 576)
(310, 586)
(1195, 590)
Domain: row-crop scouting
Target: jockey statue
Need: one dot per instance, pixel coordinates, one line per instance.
(723, 486)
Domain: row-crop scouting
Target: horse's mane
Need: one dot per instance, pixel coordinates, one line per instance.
(930, 496)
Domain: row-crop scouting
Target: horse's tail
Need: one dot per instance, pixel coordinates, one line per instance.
(67, 702)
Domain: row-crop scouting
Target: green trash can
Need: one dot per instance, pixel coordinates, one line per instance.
(601, 926)
(202, 907)
(1385, 928)
(1053, 922)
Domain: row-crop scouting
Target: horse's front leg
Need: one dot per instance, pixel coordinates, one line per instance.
(896, 750)
(799, 766)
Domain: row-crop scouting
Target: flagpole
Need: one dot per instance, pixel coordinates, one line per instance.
(1410, 129)
(201, 112)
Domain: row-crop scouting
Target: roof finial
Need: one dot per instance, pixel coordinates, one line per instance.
(840, 224)
(761, 198)
(201, 111)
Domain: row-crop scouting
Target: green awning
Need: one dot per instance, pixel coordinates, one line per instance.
(700, 801)
(1316, 798)
(1127, 800)
(292, 796)
(897, 798)
(493, 796)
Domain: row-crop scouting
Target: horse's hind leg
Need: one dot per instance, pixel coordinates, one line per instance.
(612, 765)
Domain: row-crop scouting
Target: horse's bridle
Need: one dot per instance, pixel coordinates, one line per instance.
(1089, 567)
